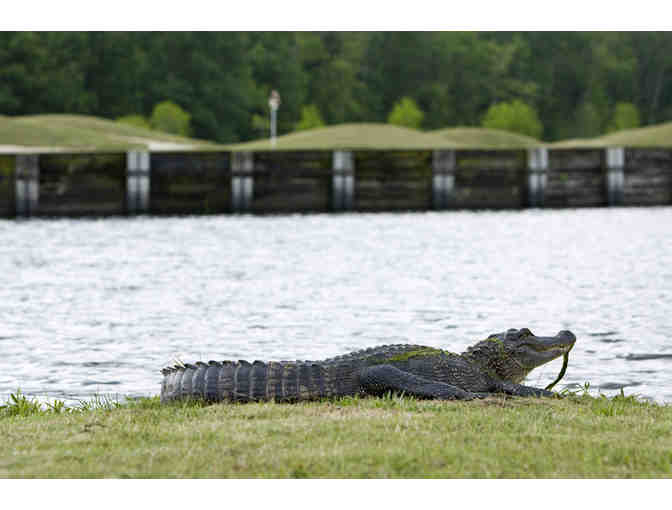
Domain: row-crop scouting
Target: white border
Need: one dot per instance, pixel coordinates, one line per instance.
(336, 15)
(333, 494)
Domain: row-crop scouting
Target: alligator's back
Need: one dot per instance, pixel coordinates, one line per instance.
(241, 381)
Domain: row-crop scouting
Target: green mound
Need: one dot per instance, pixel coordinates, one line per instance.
(659, 135)
(352, 136)
(81, 133)
(482, 138)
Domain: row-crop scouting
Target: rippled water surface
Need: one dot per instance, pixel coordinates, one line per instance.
(99, 306)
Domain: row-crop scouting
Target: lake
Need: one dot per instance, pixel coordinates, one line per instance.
(99, 306)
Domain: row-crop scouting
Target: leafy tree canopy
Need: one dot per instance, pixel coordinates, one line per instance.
(625, 116)
(515, 116)
(406, 113)
(170, 118)
(310, 118)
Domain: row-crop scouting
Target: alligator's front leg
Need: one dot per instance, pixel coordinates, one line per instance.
(523, 391)
(380, 379)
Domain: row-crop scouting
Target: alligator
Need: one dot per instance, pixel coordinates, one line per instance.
(497, 364)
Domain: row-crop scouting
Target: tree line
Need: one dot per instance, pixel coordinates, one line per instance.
(566, 84)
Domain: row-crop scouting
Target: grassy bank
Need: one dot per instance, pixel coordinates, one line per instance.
(355, 136)
(86, 133)
(483, 138)
(388, 437)
(76, 133)
(658, 135)
(373, 136)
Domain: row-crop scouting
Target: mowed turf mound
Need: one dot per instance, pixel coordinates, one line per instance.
(86, 133)
(482, 138)
(659, 135)
(360, 136)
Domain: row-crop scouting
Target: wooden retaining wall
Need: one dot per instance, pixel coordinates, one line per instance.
(190, 183)
(81, 185)
(291, 181)
(7, 186)
(647, 177)
(490, 180)
(392, 180)
(322, 181)
(576, 178)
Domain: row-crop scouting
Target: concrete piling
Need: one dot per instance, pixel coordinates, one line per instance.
(615, 165)
(137, 182)
(343, 181)
(537, 168)
(443, 178)
(27, 190)
(242, 181)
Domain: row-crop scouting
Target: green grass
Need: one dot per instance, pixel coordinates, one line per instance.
(659, 135)
(483, 138)
(360, 136)
(371, 136)
(20, 405)
(578, 436)
(82, 133)
(77, 133)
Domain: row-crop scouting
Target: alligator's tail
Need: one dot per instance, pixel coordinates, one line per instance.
(242, 381)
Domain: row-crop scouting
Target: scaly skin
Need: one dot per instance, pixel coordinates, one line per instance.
(497, 364)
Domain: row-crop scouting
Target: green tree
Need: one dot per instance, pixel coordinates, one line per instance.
(559, 64)
(406, 112)
(625, 116)
(588, 121)
(261, 125)
(515, 116)
(310, 118)
(208, 73)
(38, 73)
(653, 73)
(115, 65)
(332, 63)
(134, 120)
(170, 118)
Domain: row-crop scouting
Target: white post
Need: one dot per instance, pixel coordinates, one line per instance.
(274, 103)
(537, 167)
(274, 112)
(242, 181)
(443, 178)
(27, 187)
(615, 157)
(137, 181)
(343, 181)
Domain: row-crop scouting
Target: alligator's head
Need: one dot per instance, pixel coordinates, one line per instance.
(515, 353)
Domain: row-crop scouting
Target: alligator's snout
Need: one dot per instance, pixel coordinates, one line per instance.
(566, 337)
(560, 343)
